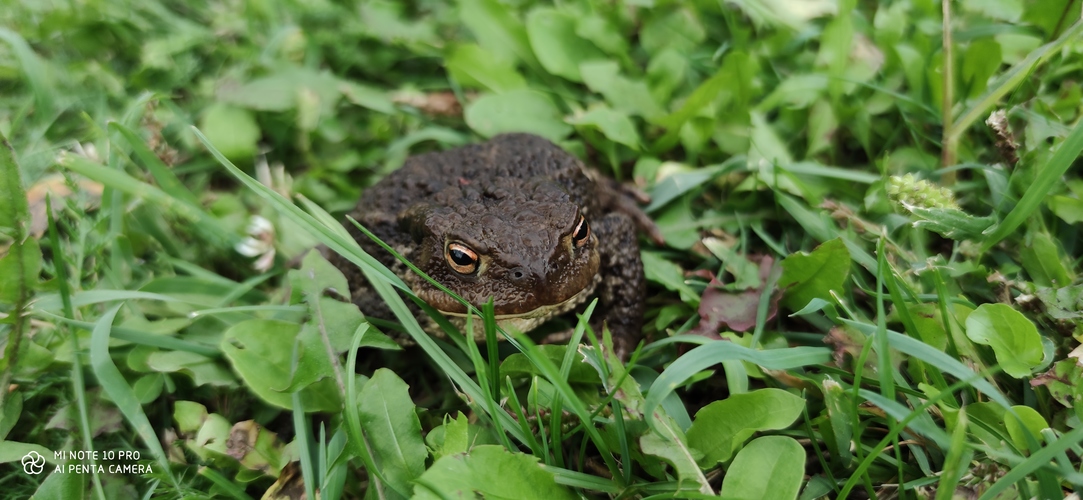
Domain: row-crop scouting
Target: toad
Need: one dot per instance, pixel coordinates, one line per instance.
(516, 220)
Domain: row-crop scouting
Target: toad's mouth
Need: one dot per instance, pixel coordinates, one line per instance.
(544, 311)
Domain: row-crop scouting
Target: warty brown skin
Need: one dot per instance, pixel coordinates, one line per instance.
(514, 205)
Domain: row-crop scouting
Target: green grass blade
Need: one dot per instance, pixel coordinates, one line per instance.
(712, 353)
(143, 338)
(78, 386)
(165, 177)
(35, 69)
(54, 301)
(335, 238)
(19, 266)
(224, 484)
(1048, 176)
(538, 449)
(123, 182)
(1036, 461)
(121, 393)
(937, 359)
(1008, 81)
(920, 422)
(354, 434)
(303, 436)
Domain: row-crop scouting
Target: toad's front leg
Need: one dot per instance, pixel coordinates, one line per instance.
(623, 289)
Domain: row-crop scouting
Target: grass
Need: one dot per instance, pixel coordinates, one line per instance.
(864, 292)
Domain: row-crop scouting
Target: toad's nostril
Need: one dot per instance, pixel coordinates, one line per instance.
(518, 274)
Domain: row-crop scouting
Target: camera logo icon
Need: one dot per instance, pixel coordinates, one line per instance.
(33, 462)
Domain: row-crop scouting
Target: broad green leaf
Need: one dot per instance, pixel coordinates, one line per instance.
(233, 130)
(457, 435)
(714, 352)
(980, 62)
(671, 445)
(489, 471)
(1063, 303)
(14, 451)
(261, 352)
(393, 429)
(678, 224)
(951, 222)
(1067, 208)
(336, 317)
(837, 48)
(368, 97)
(704, 94)
(807, 276)
(929, 324)
(114, 384)
(616, 126)
(61, 485)
(257, 448)
(624, 94)
(797, 91)
(189, 416)
(794, 14)
(210, 439)
(992, 416)
(497, 29)
(603, 33)
(1031, 420)
(278, 91)
(13, 408)
(665, 73)
(518, 110)
(664, 272)
(769, 467)
(554, 40)
(822, 124)
(518, 365)
(722, 426)
(1041, 258)
(385, 20)
(473, 66)
(202, 369)
(766, 147)
(1014, 339)
(317, 275)
(1001, 10)
(679, 29)
(1064, 381)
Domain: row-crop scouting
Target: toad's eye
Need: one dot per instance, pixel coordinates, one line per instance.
(461, 258)
(581, 233)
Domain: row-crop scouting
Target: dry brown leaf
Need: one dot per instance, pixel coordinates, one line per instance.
(57, 189)
(433, 103)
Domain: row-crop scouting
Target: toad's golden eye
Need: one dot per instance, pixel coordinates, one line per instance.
(461, 258)
(581, 233)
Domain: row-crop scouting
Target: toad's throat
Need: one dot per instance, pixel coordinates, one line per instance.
(524, 321)
(541, 311)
